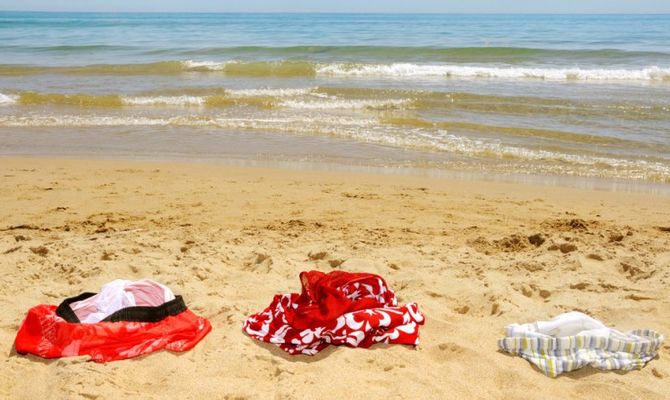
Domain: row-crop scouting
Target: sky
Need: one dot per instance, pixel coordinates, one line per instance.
(389, 6)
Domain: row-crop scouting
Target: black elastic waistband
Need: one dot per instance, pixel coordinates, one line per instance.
(133, 314)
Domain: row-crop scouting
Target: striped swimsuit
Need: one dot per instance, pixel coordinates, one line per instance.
(573, 340)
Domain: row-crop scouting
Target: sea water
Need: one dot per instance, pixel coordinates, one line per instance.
(538, 95)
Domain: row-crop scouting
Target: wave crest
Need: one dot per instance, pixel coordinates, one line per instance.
(456, 71)
(290, 68)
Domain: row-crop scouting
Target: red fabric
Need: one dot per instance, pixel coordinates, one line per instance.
(47, 335)
(339, 308)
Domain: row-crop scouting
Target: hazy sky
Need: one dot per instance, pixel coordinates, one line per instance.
(445, 6)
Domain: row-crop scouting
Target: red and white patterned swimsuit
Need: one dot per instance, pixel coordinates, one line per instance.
(338, 308)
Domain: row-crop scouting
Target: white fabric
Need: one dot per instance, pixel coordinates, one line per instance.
(570, 324)
(573, 340)
(120, 294)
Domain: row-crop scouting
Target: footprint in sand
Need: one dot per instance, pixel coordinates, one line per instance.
(596, 257)
(462, 310)
(495, 309)
(580, 286)
(537, 239)
(615, 236)
(258, 262)
(187, 246)
(508, 244)
(317, 255)
(449, 351)
(529, 290)
(634, 269)
(40, 251)
(563, 247)
(324, 256)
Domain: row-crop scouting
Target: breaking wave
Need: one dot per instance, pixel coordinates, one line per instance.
(287, 69)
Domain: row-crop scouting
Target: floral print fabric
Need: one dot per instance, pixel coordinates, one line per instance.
(339, 308)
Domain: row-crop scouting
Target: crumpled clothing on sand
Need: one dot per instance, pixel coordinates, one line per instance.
(131, 319)
(573, 340)
(338, 308)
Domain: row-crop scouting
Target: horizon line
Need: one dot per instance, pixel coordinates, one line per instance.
(335, 12)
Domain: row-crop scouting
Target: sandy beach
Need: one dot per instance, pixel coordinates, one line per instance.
(229, 238)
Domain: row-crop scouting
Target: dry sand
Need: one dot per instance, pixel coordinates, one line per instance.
(228, 239)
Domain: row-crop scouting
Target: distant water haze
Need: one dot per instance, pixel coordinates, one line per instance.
(542, 95)
(348, 6)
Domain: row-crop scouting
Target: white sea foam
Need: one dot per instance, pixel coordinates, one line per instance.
(204, 65)
(7, 99)
(405, 70)
(335, 103)
(290, 96)
(287, 123)
(441, 140)
(278, 92)
(78, 121)
(410, 70)
(201, 100)
(164, 100)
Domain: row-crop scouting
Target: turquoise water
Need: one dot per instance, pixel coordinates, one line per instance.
(582, 95)
(72, 39)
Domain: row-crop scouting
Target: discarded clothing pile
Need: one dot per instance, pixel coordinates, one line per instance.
(126, 319)
(338, 308)
(573, 340)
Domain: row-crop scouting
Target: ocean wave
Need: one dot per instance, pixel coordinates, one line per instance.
(472, 54)
(274, 92)
(5, 99)
(116, 101)
(78, 121)
(470, 72)
(367, 130)
(204, 65)
(156, 68)
(331, 104)
(289, 124)
(85, 48)
(444, 141)
(410, 70)
(291, 68)
(299, 98)
(357, 98)
(445, 54)
(164, 100)
(260, 97)
(512, 131)
(480, 147)
(78, 100)
(284, 69)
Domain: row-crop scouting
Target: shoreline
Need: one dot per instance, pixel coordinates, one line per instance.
(229, 238)
(315, 164)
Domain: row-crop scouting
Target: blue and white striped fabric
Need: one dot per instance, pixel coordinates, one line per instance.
(573, 340)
